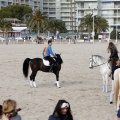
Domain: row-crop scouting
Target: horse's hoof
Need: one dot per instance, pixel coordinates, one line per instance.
(111, 102)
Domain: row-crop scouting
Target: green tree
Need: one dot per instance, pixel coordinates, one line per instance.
(100, 24)
(57, 25)
(5, 26)
(86, 24)
(16, 11)
(38, 22)
(113, 34)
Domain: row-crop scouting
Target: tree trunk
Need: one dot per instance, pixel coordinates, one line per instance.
(38, 31)
(89, 33)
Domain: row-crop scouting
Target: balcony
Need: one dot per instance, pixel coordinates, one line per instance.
(45, 1)
(52, 15)
(51, 6)
(52, 1)
(23, 2)
(115, 15)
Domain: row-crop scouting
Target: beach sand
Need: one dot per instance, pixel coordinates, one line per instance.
(80, 86)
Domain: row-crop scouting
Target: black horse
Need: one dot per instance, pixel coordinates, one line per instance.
(37, 64)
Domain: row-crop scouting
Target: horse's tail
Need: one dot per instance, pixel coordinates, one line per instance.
(26, 67)
(116, 85)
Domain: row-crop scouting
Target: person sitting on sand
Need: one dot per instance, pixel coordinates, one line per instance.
(118, 114)
(9, 110)
(62, 111)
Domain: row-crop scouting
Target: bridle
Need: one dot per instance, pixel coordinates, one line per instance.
(92, 60)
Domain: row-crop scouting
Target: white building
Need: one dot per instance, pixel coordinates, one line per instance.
(71, 11)
(60, 9)
(109, 9)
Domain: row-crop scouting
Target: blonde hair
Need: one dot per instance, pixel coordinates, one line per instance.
(111, 45)
(8, 106)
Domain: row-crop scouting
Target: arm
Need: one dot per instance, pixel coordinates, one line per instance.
(43, 54)
(51, 52)
(112, 53)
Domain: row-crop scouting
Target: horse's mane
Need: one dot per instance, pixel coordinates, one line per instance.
(102, 58)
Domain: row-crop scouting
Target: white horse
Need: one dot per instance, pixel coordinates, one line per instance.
(117, 87)
(105, 69)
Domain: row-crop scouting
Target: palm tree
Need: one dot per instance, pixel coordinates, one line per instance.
(39, 21)
(86, 25)
(101, 24)
(56, 25)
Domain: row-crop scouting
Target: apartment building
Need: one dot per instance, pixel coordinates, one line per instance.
(71, 11)
(35, 4)
(109, 9)
(60, 9)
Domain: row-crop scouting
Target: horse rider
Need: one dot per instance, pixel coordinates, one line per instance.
(46, 55)
(113, 52)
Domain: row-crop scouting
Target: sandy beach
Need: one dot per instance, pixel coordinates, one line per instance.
(80, 86)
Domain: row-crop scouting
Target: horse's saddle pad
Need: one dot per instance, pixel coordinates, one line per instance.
(46, 62)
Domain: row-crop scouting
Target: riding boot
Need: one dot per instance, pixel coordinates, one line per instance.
(51, 68)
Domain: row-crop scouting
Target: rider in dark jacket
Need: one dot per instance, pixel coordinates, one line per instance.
(113, 54)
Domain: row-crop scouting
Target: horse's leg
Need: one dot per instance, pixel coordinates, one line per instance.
(112, 93)
(103, 83)
(57, 79)
(106, 85)
(118, 102)
(31, 82)
(32, 79)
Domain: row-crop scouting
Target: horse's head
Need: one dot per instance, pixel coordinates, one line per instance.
(92, 61)
(59, 59)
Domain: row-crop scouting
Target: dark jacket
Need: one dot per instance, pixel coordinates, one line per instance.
(113, 70)
(55, 117)
(113, 54)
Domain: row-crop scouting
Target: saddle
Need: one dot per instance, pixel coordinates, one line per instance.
(46, 62)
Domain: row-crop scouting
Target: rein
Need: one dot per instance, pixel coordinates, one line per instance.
(100, 64)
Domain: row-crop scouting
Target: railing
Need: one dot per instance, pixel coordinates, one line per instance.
(52, 1)
(45, 1)
(115, 14)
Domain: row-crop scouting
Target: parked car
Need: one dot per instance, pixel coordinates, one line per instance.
(1, 38)
(10, 38)
(85, 37)
(18, 38)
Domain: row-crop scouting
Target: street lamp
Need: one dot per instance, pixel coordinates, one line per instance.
(93, 28)
(93, 25)
(116, 24)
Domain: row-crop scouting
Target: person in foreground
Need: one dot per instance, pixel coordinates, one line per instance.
(112, 75)
(0, 112)
(46, 54)
(9, 110)
(62, 111)
(118, 114)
